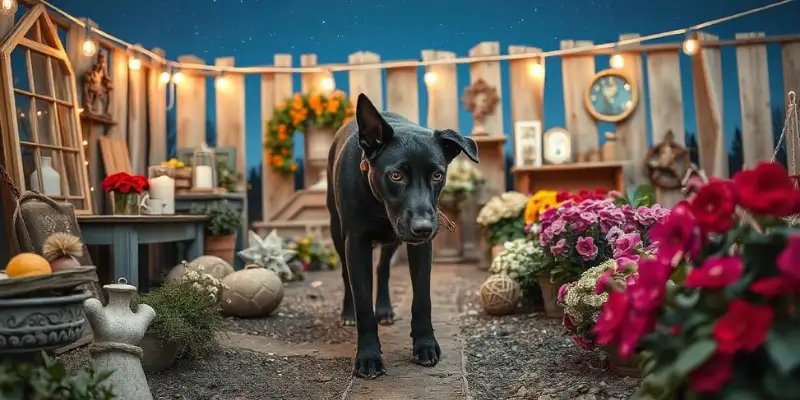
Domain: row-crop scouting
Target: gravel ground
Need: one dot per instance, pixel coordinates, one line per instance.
(526, 356)
(236, 374)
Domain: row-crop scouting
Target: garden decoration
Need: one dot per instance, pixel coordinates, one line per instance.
(186, 323)
(221, 230)
(124, 190)
(501, 218)
(295, 115)
(520, 259)
(62, 251)
(50, 381)
(499, 295)
(481, 99)
(211, 265)
(667, 163)
(254, 291)
(117, 333)
(727, 326)
(268, 252)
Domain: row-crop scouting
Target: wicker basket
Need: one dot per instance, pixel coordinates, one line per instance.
(56, 284)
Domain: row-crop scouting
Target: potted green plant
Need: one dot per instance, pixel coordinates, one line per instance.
(221, 230)
(50, 381)
(502, 221)
(312, 253)
(186, 323)
(521, 260)
(228, 179)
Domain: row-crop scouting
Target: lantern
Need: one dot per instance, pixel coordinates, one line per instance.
(204, 171)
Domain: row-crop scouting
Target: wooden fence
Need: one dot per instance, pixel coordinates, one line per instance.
(140, 106)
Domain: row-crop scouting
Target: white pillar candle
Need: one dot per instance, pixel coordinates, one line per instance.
(203, 177)
(163, 188)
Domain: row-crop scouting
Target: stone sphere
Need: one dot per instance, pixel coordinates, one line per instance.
(500, 295)
(212, 265)
(252, 292)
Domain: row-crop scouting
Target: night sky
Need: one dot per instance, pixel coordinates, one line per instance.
(254, 30)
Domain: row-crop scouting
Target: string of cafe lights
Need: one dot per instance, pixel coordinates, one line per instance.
(173, 70)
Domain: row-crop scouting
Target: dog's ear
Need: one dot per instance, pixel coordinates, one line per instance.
(373, 130)
(452, 144)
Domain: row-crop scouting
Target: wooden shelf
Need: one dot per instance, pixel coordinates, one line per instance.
(480, 139)
(570, 177)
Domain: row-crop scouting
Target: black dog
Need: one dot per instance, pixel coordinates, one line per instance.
(385, 175)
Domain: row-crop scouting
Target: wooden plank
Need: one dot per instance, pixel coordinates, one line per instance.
(708, 103)
(157, 112)
(443, 102)
(191, 104)
(137, 120)
(577, 74)
(268, 103)
(402, 92)
(489, 71)
(119, 97)
(666, 107)
(231, 113)
(310, 83)
(367, 81)
(754, 99)
(790, 54)
(116, 157)
(278, 188)
(632, 132)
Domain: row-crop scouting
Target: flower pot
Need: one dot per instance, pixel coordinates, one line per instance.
(622, 366)
(221, 246)
(33, 324)
(550, 297)
(124, 203)
(448, 247)
(496, 250)
(158, 354)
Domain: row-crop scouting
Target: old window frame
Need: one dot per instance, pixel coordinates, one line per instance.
(45, 42)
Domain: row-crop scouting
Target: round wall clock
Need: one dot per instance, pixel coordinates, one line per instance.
(557, 146)
(611, 97)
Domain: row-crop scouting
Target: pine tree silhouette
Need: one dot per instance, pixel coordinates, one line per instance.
(254, 189)
(691, 145)
(736, 156)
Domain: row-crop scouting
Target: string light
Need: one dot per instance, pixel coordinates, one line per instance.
(223, 82)
(327, 84)
(536, 68)
(85, 142)
(164, 77)
(8, 7)
(430, 77)
(89, 47)
(135, 63)
(691, 44)
(617, 61)
(178, 78)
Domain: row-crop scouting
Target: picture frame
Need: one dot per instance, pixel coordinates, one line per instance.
(612, 96)
(528, 144)
(557, 146)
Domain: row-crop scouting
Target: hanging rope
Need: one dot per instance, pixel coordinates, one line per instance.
(9, 182)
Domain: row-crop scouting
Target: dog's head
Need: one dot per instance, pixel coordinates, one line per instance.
(407, 168)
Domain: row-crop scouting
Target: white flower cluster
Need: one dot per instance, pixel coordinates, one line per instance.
(581, 302)
(517, 257)
(204, 282)
(462, 176)
(506, 205)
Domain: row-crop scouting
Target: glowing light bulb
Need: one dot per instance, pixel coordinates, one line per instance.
(536, 69)
(690, 46)
(430, 77)
(327, 84)
(91, 189)
(85, 142)
(178, 77)
(164, 77)
(89, 48)
(9, 6)
(222, 83)
(135, 63)
(617, 61)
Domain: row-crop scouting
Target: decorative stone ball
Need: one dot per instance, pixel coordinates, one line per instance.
(500, 295)
(252, 292)
(212, 265)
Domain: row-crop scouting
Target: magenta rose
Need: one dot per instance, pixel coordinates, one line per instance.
(586, 248)
(559, 248)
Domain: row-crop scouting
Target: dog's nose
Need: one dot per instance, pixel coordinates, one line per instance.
(421, 228)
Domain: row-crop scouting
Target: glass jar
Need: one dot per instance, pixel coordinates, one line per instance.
(162, 187)
(204, 171)
(124, 203)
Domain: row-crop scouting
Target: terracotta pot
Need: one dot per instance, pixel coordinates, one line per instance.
(550, 297)
(496, 251)
(623, 367)
(158, 355)
(221, 246)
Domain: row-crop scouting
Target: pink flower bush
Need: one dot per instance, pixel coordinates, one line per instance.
(578, 236)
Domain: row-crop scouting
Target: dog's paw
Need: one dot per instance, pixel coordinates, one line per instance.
(348, 318)
(426, 351)
(369, 363)
(384, 315)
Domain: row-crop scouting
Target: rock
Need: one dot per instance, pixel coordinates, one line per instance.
(252, 292)
(212, 265)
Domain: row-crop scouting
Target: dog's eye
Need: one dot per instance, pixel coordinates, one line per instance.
(395, 176)
(437, 177)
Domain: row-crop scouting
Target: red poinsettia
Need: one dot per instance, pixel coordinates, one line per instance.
(715, 273)
(125, 183)
(767, 190)
(788, 282)
(714, 206)
(743, 327)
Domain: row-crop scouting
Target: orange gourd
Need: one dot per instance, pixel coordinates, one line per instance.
(26, 265)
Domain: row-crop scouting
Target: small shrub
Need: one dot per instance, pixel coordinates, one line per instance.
(51, 382)
(224, 221)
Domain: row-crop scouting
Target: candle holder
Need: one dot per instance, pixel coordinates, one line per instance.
(204, 171)
(162, 187)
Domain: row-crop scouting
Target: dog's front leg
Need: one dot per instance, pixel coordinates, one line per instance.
(369, 363)
(426, 349)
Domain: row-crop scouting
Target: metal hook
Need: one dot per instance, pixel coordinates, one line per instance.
(122, 281)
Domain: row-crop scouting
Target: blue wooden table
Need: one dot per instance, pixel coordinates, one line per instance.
(125, 233)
